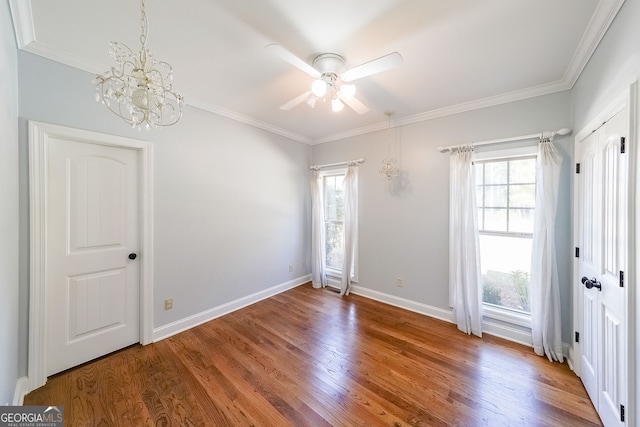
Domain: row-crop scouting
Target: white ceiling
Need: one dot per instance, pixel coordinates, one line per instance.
(458, 54)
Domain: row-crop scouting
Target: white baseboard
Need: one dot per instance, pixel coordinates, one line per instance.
(490, 327)
(22, 388)
(407, 304)
(181, 325)
(567, 350)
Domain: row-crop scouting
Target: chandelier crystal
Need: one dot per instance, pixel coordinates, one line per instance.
(389, 168)
(139, 88)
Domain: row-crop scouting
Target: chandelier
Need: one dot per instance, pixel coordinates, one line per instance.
(138, 88)
(389, 168)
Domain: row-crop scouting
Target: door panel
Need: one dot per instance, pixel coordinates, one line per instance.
(92, 287)
(589, 344)
(96, 207)
(95, 303)
(589, 230)
(613, 380)
(602, 214)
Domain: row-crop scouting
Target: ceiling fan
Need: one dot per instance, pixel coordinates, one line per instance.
(332, 81)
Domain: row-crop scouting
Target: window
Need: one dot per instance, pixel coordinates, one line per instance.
(333, 193)
(506, 193)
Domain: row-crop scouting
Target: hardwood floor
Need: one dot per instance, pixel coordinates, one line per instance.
(310, 357)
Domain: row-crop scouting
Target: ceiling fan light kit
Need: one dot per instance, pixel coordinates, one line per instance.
(331, 80)
(336, 105)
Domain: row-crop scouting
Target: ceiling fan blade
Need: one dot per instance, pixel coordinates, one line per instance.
(372, 67)
(355, 104)
(295, 101)
(289, 57)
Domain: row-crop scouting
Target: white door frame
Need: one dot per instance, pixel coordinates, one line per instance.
(632, 277)
(39, 134)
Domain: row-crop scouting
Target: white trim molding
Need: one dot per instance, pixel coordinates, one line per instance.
(22, 22)
(602, 18)
(407, 304)
(39, 133)
(21, 390)
(182, 325)
(490, 325)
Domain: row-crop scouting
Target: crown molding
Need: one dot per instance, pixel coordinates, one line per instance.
(22, 22)
(603, 16)
(545, 89)
(233, 115)
(25, 36)
(605, 13)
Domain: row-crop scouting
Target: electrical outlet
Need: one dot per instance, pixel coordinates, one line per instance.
(399, 282)
(290, 268)
(168, 304)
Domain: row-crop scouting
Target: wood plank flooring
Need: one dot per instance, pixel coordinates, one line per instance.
(309, 357)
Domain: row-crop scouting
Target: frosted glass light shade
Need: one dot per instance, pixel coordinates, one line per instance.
(319, 88)
(336, 105)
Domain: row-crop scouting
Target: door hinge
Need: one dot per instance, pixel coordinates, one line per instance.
(577, 252)
(622, 144)
(577, 167)
(622, 413)
(577, 336)
(622, 279)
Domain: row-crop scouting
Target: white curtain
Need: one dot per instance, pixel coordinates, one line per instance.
(544, 286)
(464, 247)
(318, 275)
(350, 227)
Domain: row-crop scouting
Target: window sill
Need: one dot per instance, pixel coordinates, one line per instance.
(507, 316)
(334, 277)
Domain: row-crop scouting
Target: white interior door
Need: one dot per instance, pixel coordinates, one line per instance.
(92, 277)
(602, 214)
(589, 231)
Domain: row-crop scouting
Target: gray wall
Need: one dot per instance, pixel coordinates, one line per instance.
(228, 196)
(608, 74)
(231, 201)
(611, 69)
(9, 207)
(404, 226)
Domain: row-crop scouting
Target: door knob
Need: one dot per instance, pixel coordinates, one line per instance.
(593, 283)
(132, 256)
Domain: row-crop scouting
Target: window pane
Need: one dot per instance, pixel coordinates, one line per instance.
(479, 167)
(506, 267)
(495, 220)
(522, 171)
(495, 173)
(334, 244)
(333, 198)
(521, 220)
(522, 196)
(479, 198)
(496, 196)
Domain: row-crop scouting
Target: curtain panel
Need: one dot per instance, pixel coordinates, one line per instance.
(318, 256)
(544, 285)
(350, 227)
(464, 246)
